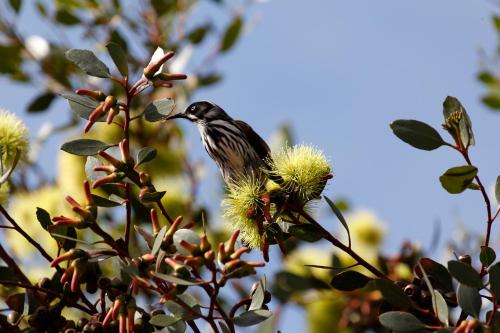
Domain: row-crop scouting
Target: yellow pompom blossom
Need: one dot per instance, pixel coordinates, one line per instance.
(71, 175)
(367, 234)
(4, 193)
(324, 313)
(366, 229)
(242, 200)
(13, 137)
(23, 210)
(295, 263)
(304, 170)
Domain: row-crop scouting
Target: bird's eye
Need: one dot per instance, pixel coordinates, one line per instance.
(193, 108)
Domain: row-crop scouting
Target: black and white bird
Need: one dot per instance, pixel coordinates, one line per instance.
(235, 147)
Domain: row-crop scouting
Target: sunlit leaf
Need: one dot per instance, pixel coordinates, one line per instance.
(84, 147)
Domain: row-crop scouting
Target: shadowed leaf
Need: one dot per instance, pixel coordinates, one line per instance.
(349, 281)
(84, 147)
(417, 134)
(469, 299)
(119, 57)
(88, 62)
(464, 273)
(455, 180)
(401, 322)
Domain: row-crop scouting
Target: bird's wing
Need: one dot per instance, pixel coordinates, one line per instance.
(255, 140)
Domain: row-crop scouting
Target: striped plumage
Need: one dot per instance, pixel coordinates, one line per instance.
(233, 145)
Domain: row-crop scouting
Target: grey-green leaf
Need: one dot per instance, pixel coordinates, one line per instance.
(104, 202)
(455, 180)
(494, 277)
(487, 255)
(341, 218)
(159, 240)
(464, 273)
(82, 106)
(119, 57)
(452, 104)
(88, 62)
(163, 320)
(417, 134)
(159, 109)
(250, 318)
(401, 322)
(84, 147)
(306, 232)
(176, 280)
(392, 293)
(469, 299)
(441, 308)
(146, 154)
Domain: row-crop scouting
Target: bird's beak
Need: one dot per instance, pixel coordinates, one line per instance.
(177, 115)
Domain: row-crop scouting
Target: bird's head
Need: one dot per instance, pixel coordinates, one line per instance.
(202, 112)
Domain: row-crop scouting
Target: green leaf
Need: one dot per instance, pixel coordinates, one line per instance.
(392, 293)
(339, 215)
(15, 302)
(306, 232)
(494, 277)
(152, 196)
(16, 5)
(442, 278)
(486, 77)
(88, 62)
(452, 104)
(159, 109)
(231, 34)
(497, 190)
(104, 202)
(65, 17)
(224, 328)
(455, 180)
(163, 320)
(441, 308)
(179, 311)
(176, 280)
(208, 79)
(146, 154)
(43, 217)
(496, 22)
(401, 322)
(464, 274)
(119, 57)
(257, 297)
(197, 35)
(349, 281)
(82, 106)
(469, 299)
(487, 255)
(250, 318)
(41, 102)
(84, 147)
(417, 134)
(492, 100)
(159, 240)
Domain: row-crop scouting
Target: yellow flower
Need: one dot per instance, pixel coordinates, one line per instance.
(4, 193)
(324, 313)
(13, 137)
(366, 229)
(242, 200)
(295, 263)
(23, 210)
(304, 170)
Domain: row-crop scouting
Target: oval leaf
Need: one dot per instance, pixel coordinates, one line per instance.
(163, 320)
(159, 109)
(88, 62)
(464, 273)
(441, 308)
(231, 34)
(119, 57)
(469, 299)
(43, 217)
(251, 318)
(487, 255)
(494, 276)
(497, 190)
(392, 293)
(146, 154)
(417, 134)
(306, 232)
(401, 322)
(455, 180)
(349, 281)
(41, 102)
(84, 147)
(82, 106)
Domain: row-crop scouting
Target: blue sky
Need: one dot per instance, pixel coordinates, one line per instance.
(339, 72)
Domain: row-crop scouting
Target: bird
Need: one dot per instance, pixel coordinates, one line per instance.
(235, 147)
